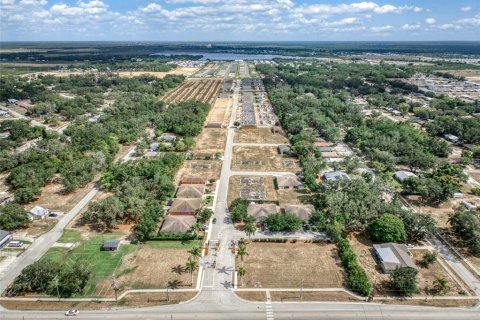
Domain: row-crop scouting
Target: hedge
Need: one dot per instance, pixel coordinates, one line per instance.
(173, 236)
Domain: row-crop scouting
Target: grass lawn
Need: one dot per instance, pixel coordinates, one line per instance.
(103, 263)
(70, 236)
(172, 244)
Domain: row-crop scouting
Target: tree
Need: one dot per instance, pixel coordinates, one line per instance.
(441, 285)
(196, 229)
(419, 226)
(191, 266)
(404, 280)
(466, 224)
(36, 277)
(388, 228)
(106, 213)
(13, 216)
(283, 222)
(242, 251)
(195, 252)
(250, 229)
(241, 273)
(238, 209)
(204, 214)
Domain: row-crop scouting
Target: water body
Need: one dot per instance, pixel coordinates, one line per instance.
(226, 56)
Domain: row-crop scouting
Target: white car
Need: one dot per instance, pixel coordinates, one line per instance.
(72, 312)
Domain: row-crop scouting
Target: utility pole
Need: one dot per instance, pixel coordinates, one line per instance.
(114, 286)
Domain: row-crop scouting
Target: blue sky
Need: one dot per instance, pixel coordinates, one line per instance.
(238, 20)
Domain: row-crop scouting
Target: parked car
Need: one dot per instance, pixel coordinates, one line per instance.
(15, 244)
(72, 312)
(214, 220)
(52, 215)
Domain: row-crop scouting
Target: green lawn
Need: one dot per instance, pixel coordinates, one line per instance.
(103, 263)
(172, 244)
(70, 236)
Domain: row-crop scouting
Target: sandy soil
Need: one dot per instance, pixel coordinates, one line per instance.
(261, 159)
(235, 185)
(259, 135)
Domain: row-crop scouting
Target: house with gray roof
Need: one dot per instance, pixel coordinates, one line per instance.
(403, 175)
(5, 237)
(392, 256)
(336, 175)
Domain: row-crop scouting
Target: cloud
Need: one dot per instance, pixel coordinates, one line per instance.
(381, 28)
(430, 21)
(410, 27)
(475, 21)
(447, 26)
(83, 8)
(356, 7)
(466, 9)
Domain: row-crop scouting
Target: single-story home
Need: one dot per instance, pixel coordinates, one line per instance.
(335, 175)
(111, 245)
(38, 212)
(192, 180)
(302, 211)
(289, 181)
(404, 175)
(451, 138)
(261, 211)
(182, 206)
(190, 191)
(5, 237)
(178, 224)
(393, 256)
(284, 149)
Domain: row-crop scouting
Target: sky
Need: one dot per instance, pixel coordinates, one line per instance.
(239, 20)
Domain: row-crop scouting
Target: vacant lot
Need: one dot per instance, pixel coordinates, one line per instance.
(148, 268)
(261, 159)
(206, 169)
(205, 90)
(258, 135)
(178, 71)
(291, 265)
(219, 114)
(261, 183)
(210, 141)
(293, 196)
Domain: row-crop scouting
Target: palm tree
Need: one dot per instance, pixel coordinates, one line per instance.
(196, 229)
(195, 252)
(441, 285)
(250, 229)
(241, 272)
(192, 266)
(242, 251)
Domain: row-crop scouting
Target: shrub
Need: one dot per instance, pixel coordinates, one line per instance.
(428, 258)
(404, 280)
(387, 228)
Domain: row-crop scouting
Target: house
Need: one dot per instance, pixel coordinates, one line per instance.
(284, 149)
(178, 224)
(404, 175)
(111, 245)
(23, 104)
(335, 176)
(392, 256)
(185, 206)
(289, 181)
(261, 211)
(5, 199)
(192, 180)
(169, 137)
(38, 212)
(451, 138)
(5, 237)
(302, 211)
(190, 191)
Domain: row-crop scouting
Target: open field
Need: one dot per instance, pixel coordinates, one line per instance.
(219, 113)
(258, 135)
(202, 90)
(260, 159)
(238, 183)
(148, 268)
(210, 141)
(199, 168)
(177, 71)
(470, 75)
(291, 265)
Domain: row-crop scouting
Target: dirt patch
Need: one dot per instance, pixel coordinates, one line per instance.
(259, 135)
(292, 265)
(432, 303)
(264, 184)
(287, 296)
(293, 196)
(219, 114)
(38, 227)
(205, 169)
(210, 141)
(148, 268)
(261, 159)
(4, 187)
(177, 71)
(252, 295)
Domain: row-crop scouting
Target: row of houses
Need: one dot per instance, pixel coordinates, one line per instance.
(260, 211)
(333, 152)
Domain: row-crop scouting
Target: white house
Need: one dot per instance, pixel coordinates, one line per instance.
(37, 213)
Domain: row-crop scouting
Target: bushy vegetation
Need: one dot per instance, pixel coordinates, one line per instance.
(238, 210)
(387, 228)
(13, 216)
(404, 281)
(466, 224)
(280, 222)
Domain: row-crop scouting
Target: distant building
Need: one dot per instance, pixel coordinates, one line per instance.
(392, 256)
(37, 213)
(111, 245)
(404, 175)
(169, 137)
(336, 175)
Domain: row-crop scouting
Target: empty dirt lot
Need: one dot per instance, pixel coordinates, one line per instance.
(200, 168)
(205, 90)
(258, 135)
(293, 196)
(261, 159)
(210, 140)
(238, 183)
(288, 265)
(219, 113)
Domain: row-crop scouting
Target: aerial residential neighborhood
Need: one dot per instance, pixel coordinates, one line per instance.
(280, 178)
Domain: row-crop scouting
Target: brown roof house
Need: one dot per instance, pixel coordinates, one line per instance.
(190, 191)
(192, 180)
(182, 206)
(178, 224)
(393, 256)
(261, 211)
(302, 211)
(289, 181)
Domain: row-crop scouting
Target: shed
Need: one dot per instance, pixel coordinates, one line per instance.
(38, 212)
(111, 245)
(289, 181)
(451, 138)
(302, 211)
(392, 256)
(185, 206)
(190, 191)
(5, 237)
(284, 148)
(335, 176)
(261, 211)
(178, 224)
(404, 175)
